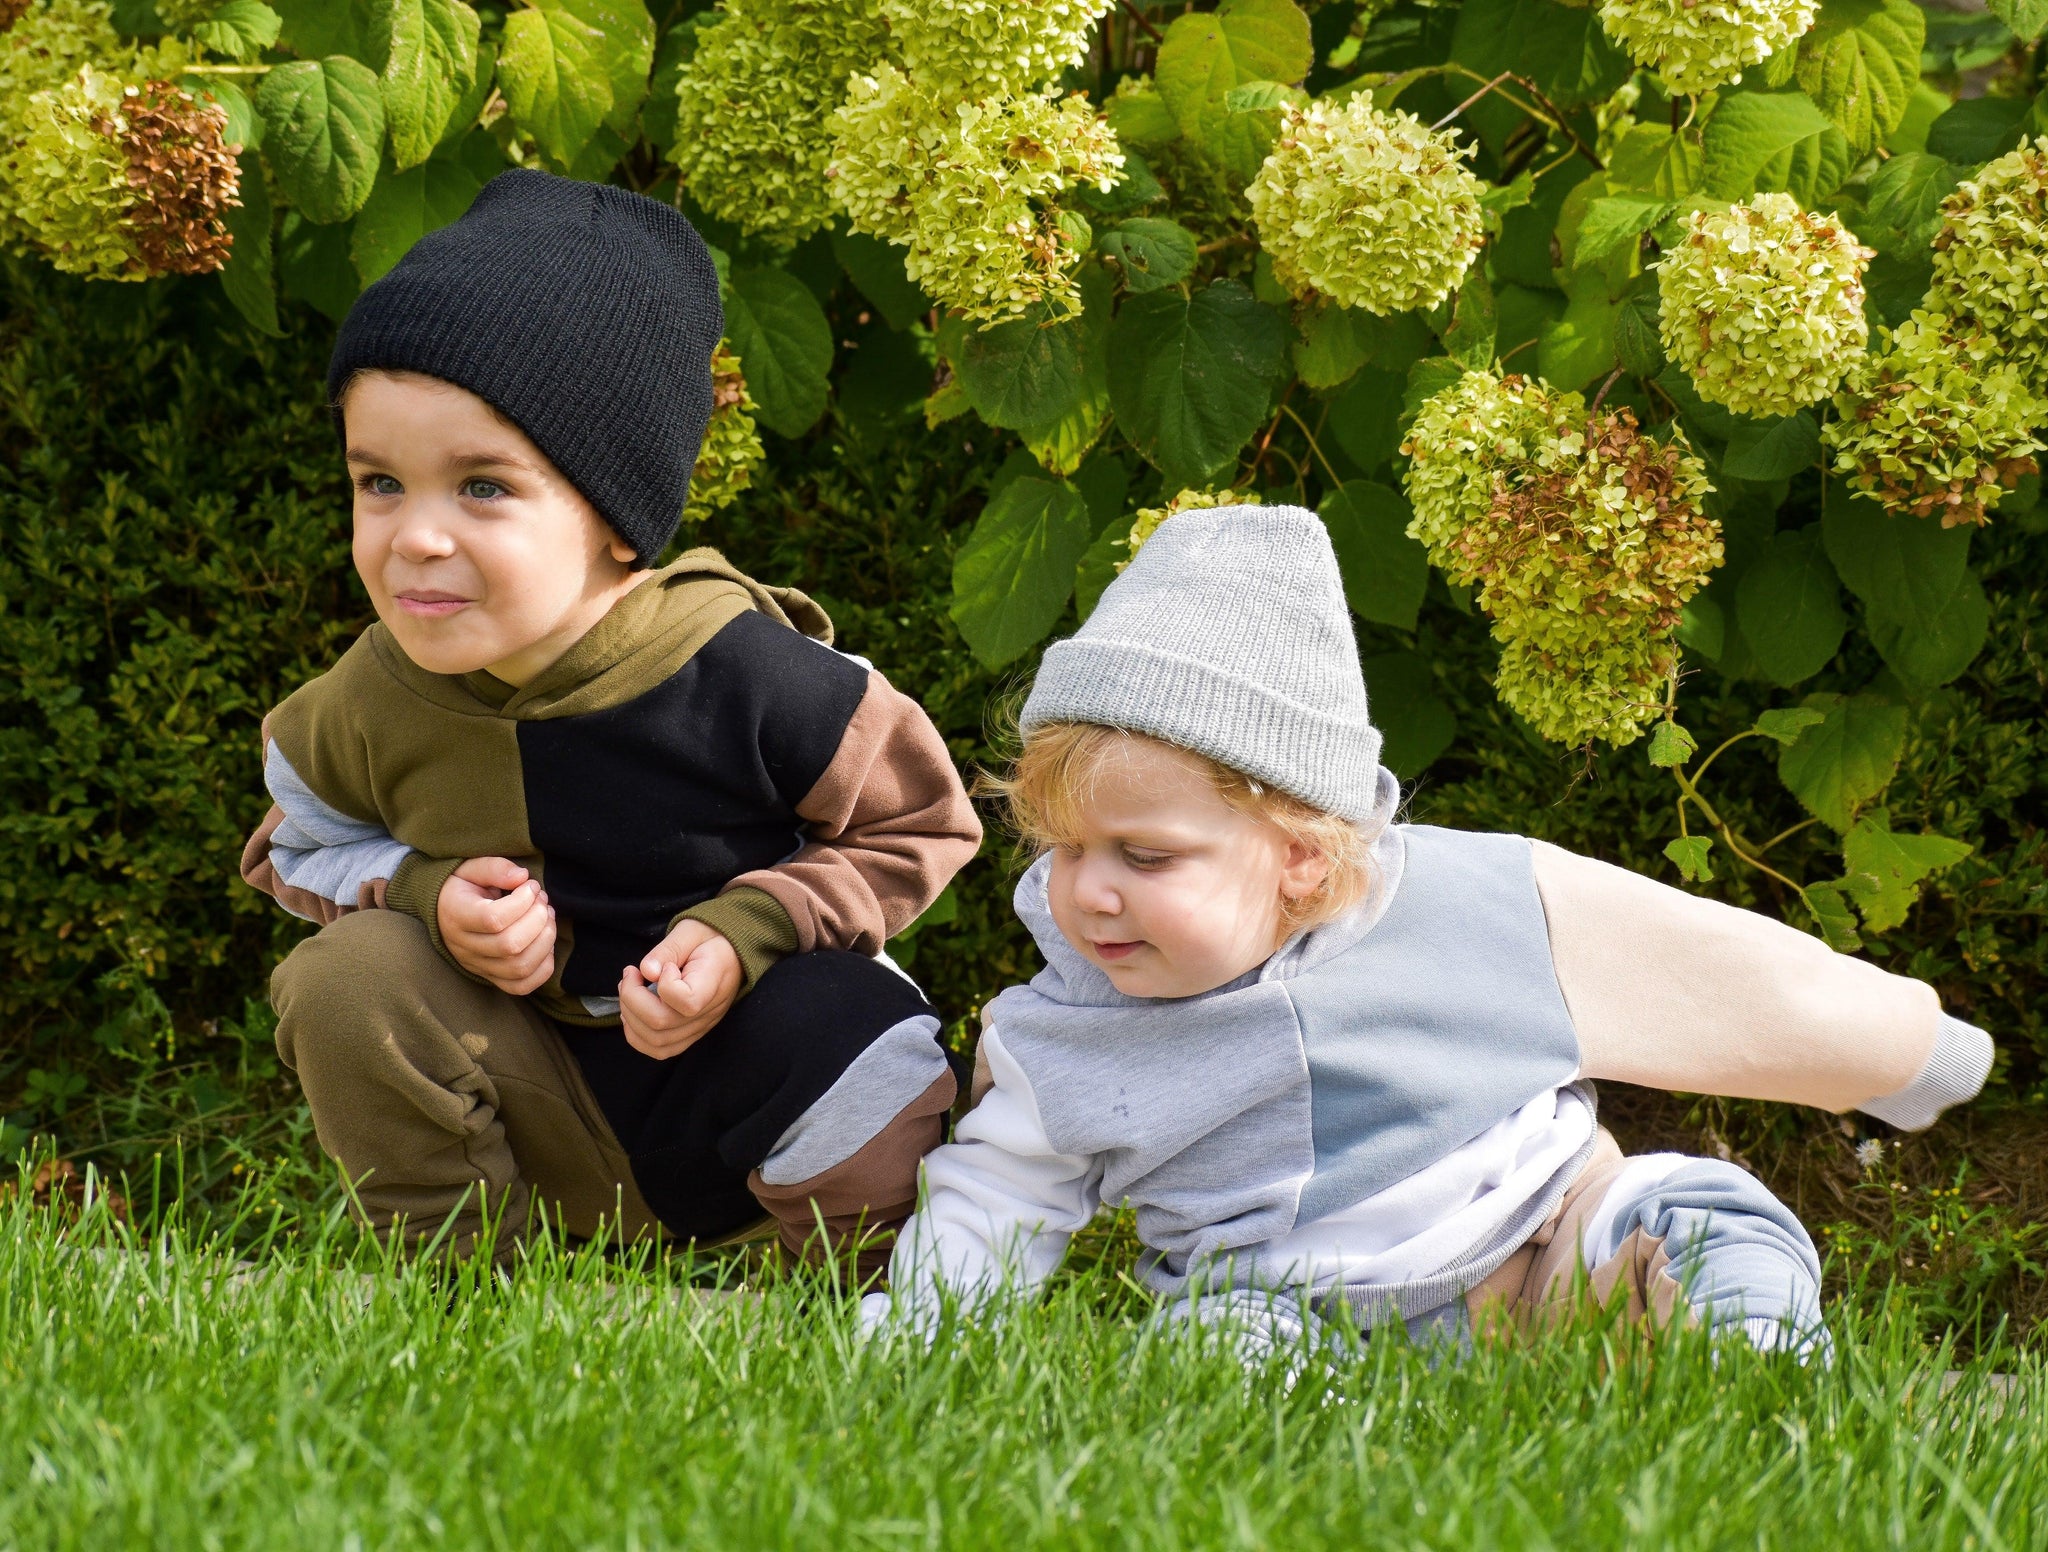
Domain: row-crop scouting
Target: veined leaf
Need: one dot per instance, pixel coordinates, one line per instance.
(1886, 869)
(1013, 576)
(1775, 449)
(1770, 141)
(1190, 377)
(782, 338)
(1416, 723)
(1206, 55)
(1789, 607)
(239, 29)
(250, 275)
(1688, 853)
(405, 206)
(1150, 252)
(1385, 572)
(554, 69)
(1562, 48)
(1615, 220)
(1860, 61)
(432, 65)
(323, 126)
(1847, 758)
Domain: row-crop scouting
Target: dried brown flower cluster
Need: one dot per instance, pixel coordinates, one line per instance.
(185, 177)
(12, 11)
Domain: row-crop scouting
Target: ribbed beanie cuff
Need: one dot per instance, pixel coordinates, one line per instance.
(1229, 635)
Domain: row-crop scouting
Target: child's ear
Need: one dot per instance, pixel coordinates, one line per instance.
(1303, 871)
(622, 552)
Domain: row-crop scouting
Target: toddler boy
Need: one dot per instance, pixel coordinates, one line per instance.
(603, 855)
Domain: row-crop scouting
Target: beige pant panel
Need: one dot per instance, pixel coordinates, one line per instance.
(1540, 1284)
(440, 1095)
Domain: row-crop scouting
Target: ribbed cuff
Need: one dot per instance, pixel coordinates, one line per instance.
(415, 889)
(1955, 1071)
(754, 922)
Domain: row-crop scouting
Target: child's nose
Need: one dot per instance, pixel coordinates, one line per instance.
(1094, 893)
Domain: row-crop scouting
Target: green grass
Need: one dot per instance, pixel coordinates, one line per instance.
(322, 1402)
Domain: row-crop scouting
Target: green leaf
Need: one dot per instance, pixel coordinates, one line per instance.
(314, 264)
(1150, 252)
(1777, 449)
(1655, 159)
(431, 68)
(2027, 18)
(1902, 210)
(239, 29)
(554, 69)
(1689, 855)
(1417, 725)
(1190, 377)
(1860, 62)
(405, 206)
(1142, 119)
(1365, 419)
(1205, 55)
(1786, 723)
(1137, 189)
(1426, 379)
(1977, 129)
(1027, 372)
(1613, 222)
(244, 128)
(1013, 576)
(1562, 48)
(1831, 914)
(1715, 422)
(877, 269)
(250, 277)
(1927, 615)
(1638, 344)
(1789, 607)
(1098, 564)
(315, 29)
(1771, 141)
(780, 332)
(1062, 441)
(1886, 869)
(1385, 572)
(1475, 321)
(1262, 96)
(1579, 348)
(1702, 627)
(628, 55)
(323, 127)
(1336, 341)
(1671, 745)
(1847, 758)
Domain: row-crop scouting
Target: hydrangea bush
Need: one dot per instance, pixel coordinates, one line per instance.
(1647, 329)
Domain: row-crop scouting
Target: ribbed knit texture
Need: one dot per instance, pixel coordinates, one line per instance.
(1955, 1070)
(586, 314)
(1229, 635)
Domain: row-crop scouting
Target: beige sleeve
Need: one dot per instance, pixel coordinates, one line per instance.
(1672, 991)
(890, 825)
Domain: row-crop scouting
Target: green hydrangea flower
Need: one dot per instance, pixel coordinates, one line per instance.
(1762, 304)
(1697, 45)
(1938, 421)
(1582, 537)
(970, 188)
(990, 48)
(67, 179)
(1368, 208)
(1991, 259)
(1610, 688)
(1465, 441)
(732, 443)
(751, 107)
(46, 47)
(1147, 522)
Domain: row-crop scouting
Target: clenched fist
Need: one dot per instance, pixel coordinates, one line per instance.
(496, 920)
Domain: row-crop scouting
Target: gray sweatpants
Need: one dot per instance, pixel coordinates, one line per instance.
(1666, 1235)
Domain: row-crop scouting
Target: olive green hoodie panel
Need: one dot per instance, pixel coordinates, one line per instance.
(411, 751)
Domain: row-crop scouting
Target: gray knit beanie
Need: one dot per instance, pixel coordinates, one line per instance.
(1229, 635)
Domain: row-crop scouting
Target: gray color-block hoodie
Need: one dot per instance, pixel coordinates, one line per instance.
(1396, 1099)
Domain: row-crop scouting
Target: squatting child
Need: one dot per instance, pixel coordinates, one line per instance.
(1335, 1060)
(604, 854)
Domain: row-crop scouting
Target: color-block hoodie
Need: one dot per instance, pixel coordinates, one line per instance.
(702, 752)
(1394, 1102)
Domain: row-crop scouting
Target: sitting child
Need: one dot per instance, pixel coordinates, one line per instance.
(1330, 1059)
(604, 855)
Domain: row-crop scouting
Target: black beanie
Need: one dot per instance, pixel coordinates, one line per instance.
(584, 313)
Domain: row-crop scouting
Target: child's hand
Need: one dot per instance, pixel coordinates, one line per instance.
(684, 986)
(496, 920)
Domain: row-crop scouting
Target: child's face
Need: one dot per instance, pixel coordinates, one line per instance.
(1167, 888)
(476, 551)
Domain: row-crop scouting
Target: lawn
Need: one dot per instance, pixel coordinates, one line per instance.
(161, 1393)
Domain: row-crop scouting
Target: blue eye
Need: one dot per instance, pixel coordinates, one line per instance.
(482, 490)
(380, 485)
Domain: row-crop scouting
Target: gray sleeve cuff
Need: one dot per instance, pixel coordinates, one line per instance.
(1955, 1071)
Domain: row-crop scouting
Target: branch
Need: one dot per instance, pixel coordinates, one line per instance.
(1138, 16)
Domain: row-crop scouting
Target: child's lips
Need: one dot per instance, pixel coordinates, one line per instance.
(1115, 951)
(431, 605)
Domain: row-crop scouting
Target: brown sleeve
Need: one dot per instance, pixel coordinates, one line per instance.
(890, 825)
(258, 872)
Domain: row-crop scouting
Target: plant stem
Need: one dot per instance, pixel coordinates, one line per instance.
(1735, 847)
(1602, 394)
(1461, 107)
(1138, 16)
(1313, 446)
(226, 70)
(1785, 835)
